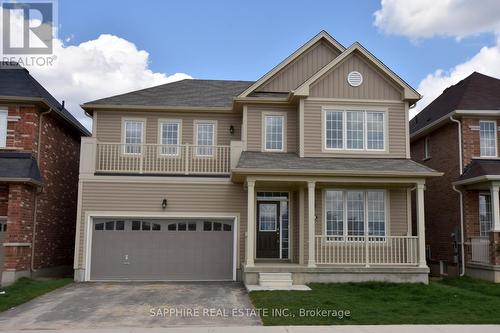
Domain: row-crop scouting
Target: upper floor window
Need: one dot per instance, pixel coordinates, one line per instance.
(274, 132)
(427, 147)
(205, 138)
(354, 130)
(133, 136)
(488, 138)
(170, 131)
(3, 128)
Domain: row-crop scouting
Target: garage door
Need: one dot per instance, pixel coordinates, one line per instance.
(181, 249)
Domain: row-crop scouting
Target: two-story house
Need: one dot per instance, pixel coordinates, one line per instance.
(303, 175)
(39, 151)
(457, 134)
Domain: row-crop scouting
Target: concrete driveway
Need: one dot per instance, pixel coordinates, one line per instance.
(114, 305)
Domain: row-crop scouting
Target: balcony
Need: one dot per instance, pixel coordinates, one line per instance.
(157, 159)
(367, 251)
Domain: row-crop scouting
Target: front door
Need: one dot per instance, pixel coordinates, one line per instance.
(268, 229)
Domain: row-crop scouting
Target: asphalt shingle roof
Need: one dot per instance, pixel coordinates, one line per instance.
(477, 168)
(189, 92)
(19, 166)
(291, 161)
(475, 92)
(16, 81)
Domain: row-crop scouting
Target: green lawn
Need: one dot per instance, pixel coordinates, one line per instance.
(448, 301)
(26, 289)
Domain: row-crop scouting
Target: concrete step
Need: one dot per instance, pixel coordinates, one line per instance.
(275, 280)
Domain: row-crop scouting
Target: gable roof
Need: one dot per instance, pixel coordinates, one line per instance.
(475, 92)
(321, 35)
(409, 92)
(16, 83)
(185, 93)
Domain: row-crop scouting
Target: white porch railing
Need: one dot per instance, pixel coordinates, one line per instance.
(163, 159)
(480, 249)
(372, 250)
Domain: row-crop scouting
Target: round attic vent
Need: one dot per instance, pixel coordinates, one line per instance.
(355, 78)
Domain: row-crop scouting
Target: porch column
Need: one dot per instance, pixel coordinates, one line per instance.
(421, 225)
(311, 208)
(250, 223)
(495, 207)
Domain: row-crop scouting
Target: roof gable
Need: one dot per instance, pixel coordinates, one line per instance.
(408, 92)
(376, 85)
(300, 65)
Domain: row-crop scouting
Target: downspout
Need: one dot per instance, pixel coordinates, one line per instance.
(462, 273)
(38, 191)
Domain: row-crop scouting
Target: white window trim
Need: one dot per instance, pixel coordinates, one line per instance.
(195, 137)
(345, 235)
(496, 137)
(427, 147)
(179, 135)
(479, 212)
(124, 149)
(344, 110)
(3, 139)
(283, 132)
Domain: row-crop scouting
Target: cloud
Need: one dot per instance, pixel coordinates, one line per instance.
(428, 18)
(98, 68)
(486, 61)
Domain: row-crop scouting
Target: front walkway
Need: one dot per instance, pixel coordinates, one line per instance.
(128, 305)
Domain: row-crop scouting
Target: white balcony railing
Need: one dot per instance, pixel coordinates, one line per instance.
(163, 159)
(372, 250)
(480, 249)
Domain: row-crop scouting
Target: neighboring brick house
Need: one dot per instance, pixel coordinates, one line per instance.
(458, 134)
(39, 157)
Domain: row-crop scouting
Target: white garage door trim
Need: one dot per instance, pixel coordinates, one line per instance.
(90, 216)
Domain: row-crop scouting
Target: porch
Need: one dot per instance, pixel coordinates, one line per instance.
(326, 240)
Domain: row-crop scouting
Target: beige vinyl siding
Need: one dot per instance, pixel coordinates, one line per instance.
(146, 197)
(109, 125)
(398, 212)
(255, 130)
(375, 85)
(301, 69)
(313, 129)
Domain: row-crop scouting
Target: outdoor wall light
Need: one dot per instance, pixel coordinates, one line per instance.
(231, 129)
(164, 203)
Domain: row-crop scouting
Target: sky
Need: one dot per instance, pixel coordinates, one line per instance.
(105, 48)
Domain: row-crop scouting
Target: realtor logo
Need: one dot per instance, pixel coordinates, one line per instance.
(28, 27)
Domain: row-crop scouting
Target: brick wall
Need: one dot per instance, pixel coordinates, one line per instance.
(56, 210)
(471, 139)
(442, 205)
(22, 129)
(56, 203)
(19, 227)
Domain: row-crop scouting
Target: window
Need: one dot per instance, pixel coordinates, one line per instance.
(3, 128)
(375, 130)
(133, 136)
(488, 138)
(110, 226)
(354, 130)
(170, 137)
(485, 218)
(334, 130)
(267, 217)
(427, 147)
(348, 211)
(274, 132)
(334, 213)
(216, 226)
(205, 138)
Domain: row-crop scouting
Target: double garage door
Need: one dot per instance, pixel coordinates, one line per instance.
(152, 249)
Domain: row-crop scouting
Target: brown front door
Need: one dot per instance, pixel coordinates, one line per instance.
(268, 229)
